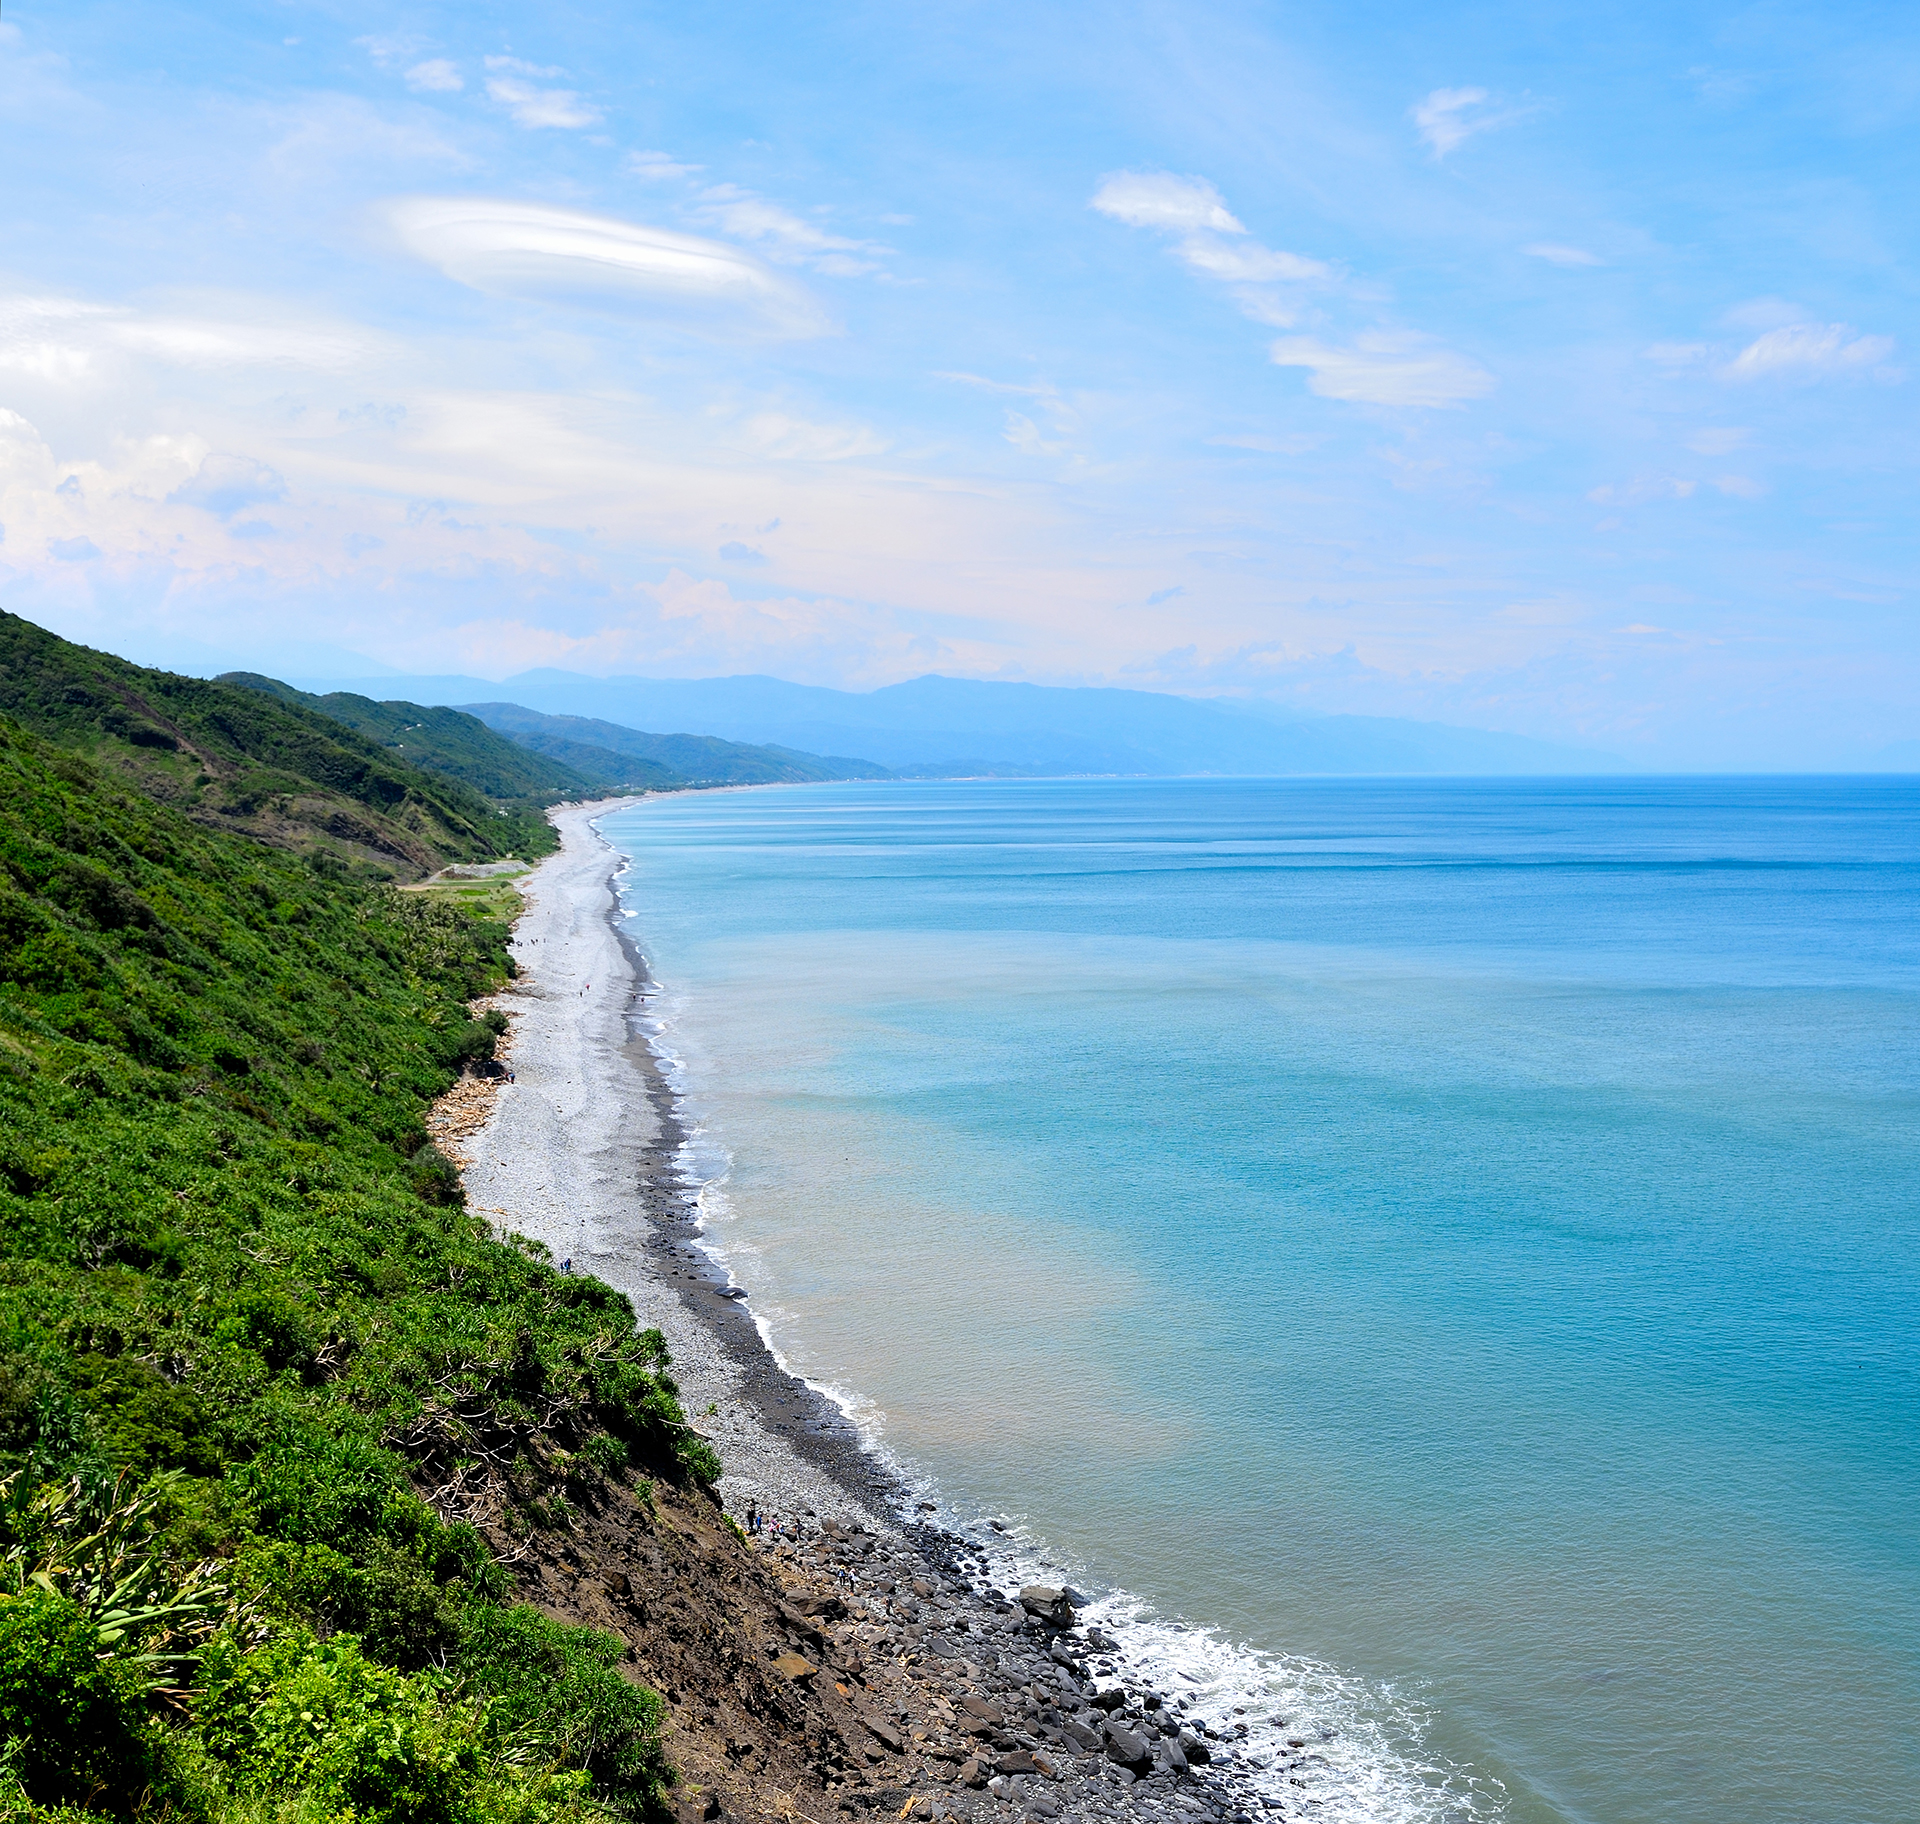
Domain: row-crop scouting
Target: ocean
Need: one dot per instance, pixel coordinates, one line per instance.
(1440, 1258)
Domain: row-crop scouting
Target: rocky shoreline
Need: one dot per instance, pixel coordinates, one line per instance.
(864, 1658)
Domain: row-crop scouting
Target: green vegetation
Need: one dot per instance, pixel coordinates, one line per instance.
(260, 1371)
(604, 751)
(484, 895)
(247, 761)
(463, 747)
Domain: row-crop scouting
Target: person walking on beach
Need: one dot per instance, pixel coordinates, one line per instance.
(753, 1519)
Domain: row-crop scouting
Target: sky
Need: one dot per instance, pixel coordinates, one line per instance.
(1544, 368)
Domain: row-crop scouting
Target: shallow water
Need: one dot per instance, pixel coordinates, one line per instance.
(1460, 1238)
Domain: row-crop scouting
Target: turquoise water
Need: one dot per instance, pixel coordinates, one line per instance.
(1458, 1241)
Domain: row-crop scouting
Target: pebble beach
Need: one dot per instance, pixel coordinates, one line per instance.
(969, 1698)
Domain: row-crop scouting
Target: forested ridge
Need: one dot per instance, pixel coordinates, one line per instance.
(256, 1359)
(265, 765)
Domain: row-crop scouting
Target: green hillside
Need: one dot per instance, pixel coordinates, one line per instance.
(244, 1316)
(609, 771)
(700, 759)
(241, 760)
(460, 745)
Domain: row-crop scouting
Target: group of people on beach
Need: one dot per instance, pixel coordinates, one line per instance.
(767, 1525)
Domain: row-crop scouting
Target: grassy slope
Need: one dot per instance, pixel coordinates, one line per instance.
(463, 747)
(226, 1253)
(240, 760)
(703, 759)
(609, 771)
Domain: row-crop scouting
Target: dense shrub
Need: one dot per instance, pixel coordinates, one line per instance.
(558, 1688)
(77, 1722)
(358, 1741)
(229, 1258)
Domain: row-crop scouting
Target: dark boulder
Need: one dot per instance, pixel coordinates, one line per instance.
(1044, 1603)
(1126, 1747)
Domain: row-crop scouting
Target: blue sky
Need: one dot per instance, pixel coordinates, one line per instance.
(1543, 368)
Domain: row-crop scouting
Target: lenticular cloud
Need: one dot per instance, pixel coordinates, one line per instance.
(530, 250)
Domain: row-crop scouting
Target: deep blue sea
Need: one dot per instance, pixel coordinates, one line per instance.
(1445, 1255)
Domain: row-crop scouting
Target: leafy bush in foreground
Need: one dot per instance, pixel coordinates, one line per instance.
(75, 1721)
(248, 1329)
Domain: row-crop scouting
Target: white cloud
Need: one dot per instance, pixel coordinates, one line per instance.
(529, 250)
(1158, 199)
(1808, 350)
(1448, 118)
(1441, 118)
(435, 76)
(63, 340)
(1250, 264)
(1556, 254)
(796, 440)
(995, 386)
(784, 236)
(48, 338)
(1211, 241)
(658, 165)
(514, 66)
(531, 107)
(1026, 436)
(211, 342)
(387, 51)
(223, 485)
(1385, 367)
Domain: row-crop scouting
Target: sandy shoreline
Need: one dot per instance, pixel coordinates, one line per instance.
(579, 1152)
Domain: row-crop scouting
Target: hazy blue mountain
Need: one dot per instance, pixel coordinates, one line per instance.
(964, 725)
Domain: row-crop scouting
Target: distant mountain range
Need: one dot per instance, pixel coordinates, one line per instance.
(955, 726)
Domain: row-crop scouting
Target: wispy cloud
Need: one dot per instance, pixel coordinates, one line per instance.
(1210, 240)
(785, 237)
(1808, 351)
(223, 485)
(1385, 367)
(436, 76)
(387, 49)
(531, 250)
(1018, 428)
(997, 386)
(1557, 254)
(658, 165)
(64, 340)
(792, 439)
(1158, 199)
(1379, 367)
(1448, 118)
(535, 107)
